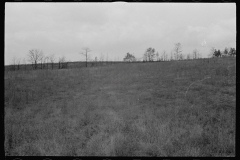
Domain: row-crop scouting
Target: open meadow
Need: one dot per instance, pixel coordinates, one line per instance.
(175, 108)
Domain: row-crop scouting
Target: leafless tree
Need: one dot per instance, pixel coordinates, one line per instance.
(195, 54)
(35, 55)
(157, 55)
(14, 61)
(164, 56)
(42, 61)
(18, 63)
(86, 49)
(24, 62)
(199, 55)
(52, 59)
(171, 58)
(178, 50)
(181, 56)
(101, 57)
(46, 61)
(188, 56)
(212, 51)
(61, 62)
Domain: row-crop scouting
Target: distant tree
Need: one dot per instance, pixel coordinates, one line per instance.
(18, 63)
(157, 56)
(225, 52)
(181, 56)
(217, 53)
(35, 55)
(86, 49)
(52, 59)
(171, 58)
(62, 63)
(46, 61)
(164, 56)
(199, 55)
(177, 50)
(195, 54)
(129, 58)
(149, 54)
(212, 51)
(101, 57)
(14, 61)
(232, 52)
(42, 61)
(188, 56)
(24, 62)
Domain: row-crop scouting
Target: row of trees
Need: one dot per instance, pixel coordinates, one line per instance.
(36, 57)
(176, 54)
(224, 53)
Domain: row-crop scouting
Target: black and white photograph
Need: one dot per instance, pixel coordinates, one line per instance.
(120, 79)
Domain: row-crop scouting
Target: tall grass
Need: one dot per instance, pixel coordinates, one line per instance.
(123, 110)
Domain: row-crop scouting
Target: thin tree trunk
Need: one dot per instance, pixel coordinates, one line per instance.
(86, 58)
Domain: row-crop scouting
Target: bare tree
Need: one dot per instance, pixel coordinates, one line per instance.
(199, 55)
(157, 55)
(101, 57)
(171, 58)
(14, 61)
(46, 61)
(24, 62)
(42, 60)
(178, 50)
(18, 63)
(86, 49)
(195, 54)
(61, 62)
(52, 59)
(35, 55)
(212, 51)
(164, 56)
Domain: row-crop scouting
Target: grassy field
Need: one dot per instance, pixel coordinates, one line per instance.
(177, 108)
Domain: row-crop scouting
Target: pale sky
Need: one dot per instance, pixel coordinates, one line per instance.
(114, 29)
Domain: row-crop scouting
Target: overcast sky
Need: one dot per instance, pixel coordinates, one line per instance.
(114, 29)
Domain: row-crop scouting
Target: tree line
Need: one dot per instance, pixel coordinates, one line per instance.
(39, 61)
(151, 54)
(224, 53)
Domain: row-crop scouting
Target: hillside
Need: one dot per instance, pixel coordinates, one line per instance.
(176, 108)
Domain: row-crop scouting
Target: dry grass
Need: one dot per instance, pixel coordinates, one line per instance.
(123, 110)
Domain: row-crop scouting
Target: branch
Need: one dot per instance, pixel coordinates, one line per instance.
(83, 54)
